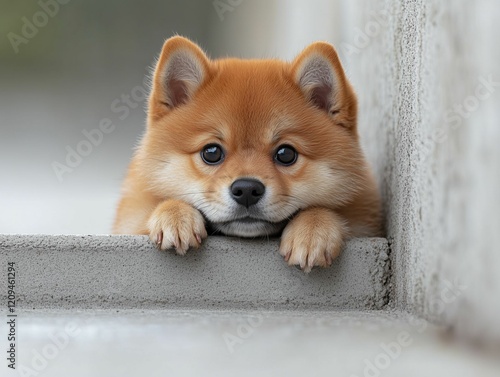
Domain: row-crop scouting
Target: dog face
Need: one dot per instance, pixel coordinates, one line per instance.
(250, 143)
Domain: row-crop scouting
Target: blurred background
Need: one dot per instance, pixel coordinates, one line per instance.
(62, 73)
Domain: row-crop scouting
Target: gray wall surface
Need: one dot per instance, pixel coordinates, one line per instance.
(430, 125)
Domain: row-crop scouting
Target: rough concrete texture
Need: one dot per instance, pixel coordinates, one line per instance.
(239, 343)
(75, 272)
(430, 126)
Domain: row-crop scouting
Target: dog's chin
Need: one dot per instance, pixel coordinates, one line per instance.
(250, 228)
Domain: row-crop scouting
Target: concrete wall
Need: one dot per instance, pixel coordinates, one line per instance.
(431, 128)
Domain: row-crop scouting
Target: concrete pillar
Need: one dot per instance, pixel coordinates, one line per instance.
(428, 84)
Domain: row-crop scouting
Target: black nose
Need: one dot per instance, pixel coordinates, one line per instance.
(247, 192)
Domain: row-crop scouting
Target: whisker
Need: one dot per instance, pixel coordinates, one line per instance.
(158, 159)
(195, 193)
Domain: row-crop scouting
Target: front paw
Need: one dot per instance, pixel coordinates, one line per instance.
(176, 224)
(313, 238)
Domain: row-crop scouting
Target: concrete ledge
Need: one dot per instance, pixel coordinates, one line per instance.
(127, 272)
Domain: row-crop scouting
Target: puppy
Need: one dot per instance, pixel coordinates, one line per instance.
(251, 148)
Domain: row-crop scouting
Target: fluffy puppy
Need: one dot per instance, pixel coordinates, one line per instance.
(251, 148)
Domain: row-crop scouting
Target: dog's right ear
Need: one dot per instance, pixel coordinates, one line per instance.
(181, 69)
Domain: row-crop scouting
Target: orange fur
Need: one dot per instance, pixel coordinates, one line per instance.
(250, 107)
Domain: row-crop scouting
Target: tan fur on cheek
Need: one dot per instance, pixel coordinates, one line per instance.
(176, 179)
(319, 185)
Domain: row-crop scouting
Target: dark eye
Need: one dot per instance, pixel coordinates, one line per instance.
(286, 155)
(212, 154)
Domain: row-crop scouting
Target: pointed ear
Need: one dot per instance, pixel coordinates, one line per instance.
(180, 71)
(319, 74)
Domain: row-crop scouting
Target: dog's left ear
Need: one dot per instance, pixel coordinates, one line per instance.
(320, 76)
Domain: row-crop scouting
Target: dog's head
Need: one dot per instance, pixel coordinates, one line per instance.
(251, 142)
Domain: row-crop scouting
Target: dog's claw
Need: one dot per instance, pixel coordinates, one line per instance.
(287, 256)
(302, 264)
(159, 240)
(198, 238)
